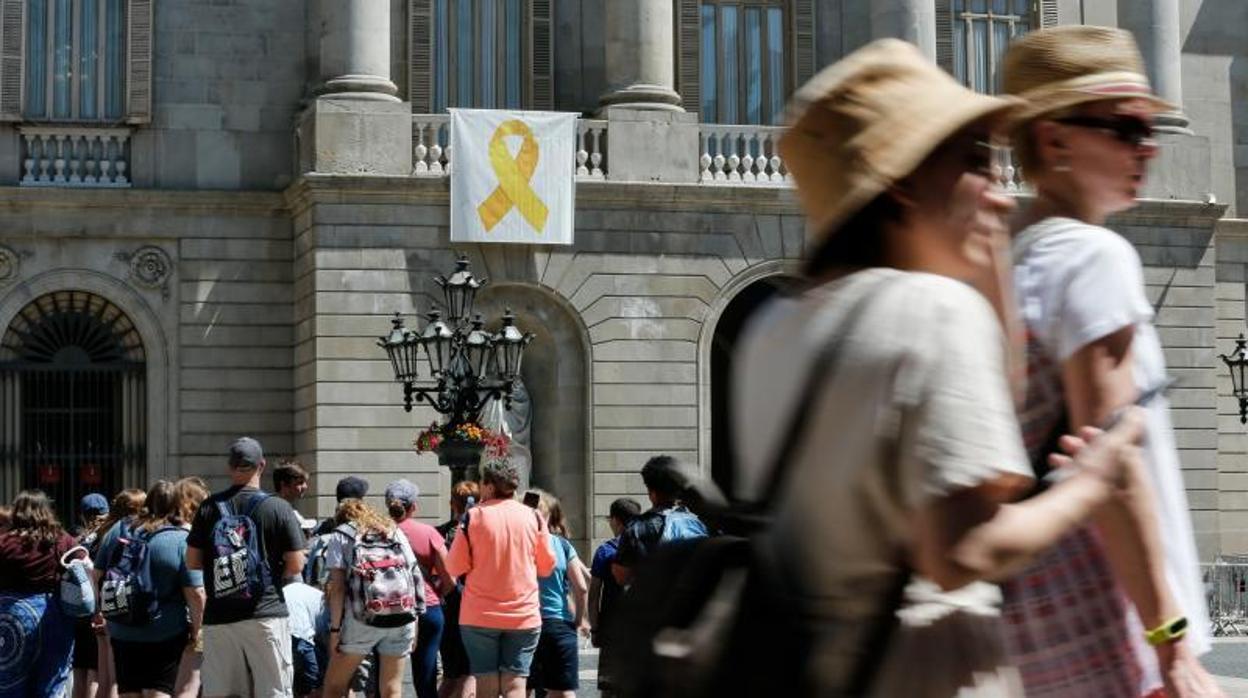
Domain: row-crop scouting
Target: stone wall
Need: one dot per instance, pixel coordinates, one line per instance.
(216, 329)
(1232, 457)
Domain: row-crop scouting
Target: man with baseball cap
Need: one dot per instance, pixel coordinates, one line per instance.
(248, 652)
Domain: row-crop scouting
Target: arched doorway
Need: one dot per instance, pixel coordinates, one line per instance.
(727, 331)
(72, 400)
(556, 377)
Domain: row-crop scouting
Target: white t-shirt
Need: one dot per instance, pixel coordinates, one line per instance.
(917, 407)
(1077, 283)
(306, 604)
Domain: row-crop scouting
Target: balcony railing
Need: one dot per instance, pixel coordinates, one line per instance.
(734, 154)
(74, 156)
(728, 154)
(431, 149)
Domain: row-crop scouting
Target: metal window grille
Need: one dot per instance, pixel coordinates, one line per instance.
(73, 407)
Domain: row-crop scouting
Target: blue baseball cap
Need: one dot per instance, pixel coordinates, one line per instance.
(93, 504)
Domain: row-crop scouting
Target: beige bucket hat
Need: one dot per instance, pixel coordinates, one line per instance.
(870, 120)
(1062, 67)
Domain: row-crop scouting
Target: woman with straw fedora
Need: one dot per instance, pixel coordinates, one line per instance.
(1084, 139)
(910, 451)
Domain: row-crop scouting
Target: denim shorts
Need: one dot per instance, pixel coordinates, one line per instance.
(494, 651)
(556, 662)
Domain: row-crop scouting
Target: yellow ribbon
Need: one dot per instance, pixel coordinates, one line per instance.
(513, 174)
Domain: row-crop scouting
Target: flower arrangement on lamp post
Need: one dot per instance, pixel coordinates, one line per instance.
(466, 367)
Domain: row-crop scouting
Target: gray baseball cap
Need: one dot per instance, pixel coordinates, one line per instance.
(245, 453)
(402, 491)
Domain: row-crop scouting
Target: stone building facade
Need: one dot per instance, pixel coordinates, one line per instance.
(269, 187)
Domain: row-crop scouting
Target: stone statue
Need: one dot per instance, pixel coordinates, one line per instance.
(517, 425)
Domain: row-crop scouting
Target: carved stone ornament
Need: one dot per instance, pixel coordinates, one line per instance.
(10, 265)
(150, 267)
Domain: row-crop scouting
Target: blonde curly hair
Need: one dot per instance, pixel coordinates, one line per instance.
(362, 517)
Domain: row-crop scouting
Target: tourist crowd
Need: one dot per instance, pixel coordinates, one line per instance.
(236, 594)
(943, 520)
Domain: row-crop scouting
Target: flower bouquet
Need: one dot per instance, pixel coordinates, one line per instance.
(459, 445)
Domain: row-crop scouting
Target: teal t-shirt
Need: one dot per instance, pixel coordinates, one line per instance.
(553, 590)
(167, 555)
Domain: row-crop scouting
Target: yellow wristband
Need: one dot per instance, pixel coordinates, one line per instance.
(1169, 631)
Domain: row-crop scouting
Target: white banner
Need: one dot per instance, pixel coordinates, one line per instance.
(513, 176)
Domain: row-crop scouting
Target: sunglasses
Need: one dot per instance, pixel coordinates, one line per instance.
(1131, 131)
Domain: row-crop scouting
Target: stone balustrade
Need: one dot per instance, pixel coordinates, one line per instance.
(74, 156)
(735, 154)
(729, 154)
(1011, 173)
(431, 149)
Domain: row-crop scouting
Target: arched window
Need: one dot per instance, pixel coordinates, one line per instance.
(72, 399)
(739, 60)
(972, 36)
(489, 54)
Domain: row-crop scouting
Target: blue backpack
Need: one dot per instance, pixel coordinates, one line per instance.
(680, 524)
(240, 574)
(128, 595)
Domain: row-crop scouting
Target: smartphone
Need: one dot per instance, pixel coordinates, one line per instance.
(532, 499)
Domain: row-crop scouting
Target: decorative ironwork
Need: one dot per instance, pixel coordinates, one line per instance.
(71, 328)
(467, 365)
(1236, 363)
(72, 399)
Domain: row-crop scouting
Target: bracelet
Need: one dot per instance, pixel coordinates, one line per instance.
(336, 630)
(1168, 631)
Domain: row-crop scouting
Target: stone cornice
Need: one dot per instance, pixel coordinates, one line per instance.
(245, 203)
(318, 188)
(1232, 229)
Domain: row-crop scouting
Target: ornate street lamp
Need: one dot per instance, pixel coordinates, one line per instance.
(467, 365)
(1236, 363)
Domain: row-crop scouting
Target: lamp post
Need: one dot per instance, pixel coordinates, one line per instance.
(467, 365)
(1236, 363)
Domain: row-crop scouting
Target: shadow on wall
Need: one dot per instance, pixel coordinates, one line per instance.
(1218, 31)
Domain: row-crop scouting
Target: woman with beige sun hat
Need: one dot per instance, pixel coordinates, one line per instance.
(1084, 139)
(896, 500)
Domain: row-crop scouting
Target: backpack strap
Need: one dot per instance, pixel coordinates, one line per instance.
(881, 627)
(256, 500)
(823, 366)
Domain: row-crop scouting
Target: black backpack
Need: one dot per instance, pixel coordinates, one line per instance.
(715, 616)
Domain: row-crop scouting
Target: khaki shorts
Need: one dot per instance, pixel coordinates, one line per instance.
(248, 658)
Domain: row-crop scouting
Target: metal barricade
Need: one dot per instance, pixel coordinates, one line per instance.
(1226, 588)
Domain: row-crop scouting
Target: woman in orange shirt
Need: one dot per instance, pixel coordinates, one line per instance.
(503, 547)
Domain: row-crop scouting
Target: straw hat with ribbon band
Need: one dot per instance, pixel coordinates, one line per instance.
(1059, 68)
(868, 121)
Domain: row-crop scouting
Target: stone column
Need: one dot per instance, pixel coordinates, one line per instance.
(1155, 24)
(910, 20)
(355, 50)
(641, 61)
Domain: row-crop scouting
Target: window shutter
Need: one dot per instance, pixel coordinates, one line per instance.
(12, 52)
(688, 53)
(139, 62)
(541, 47)
(944, 35)
(420, 55)
(804, 60)
(1048, 13)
